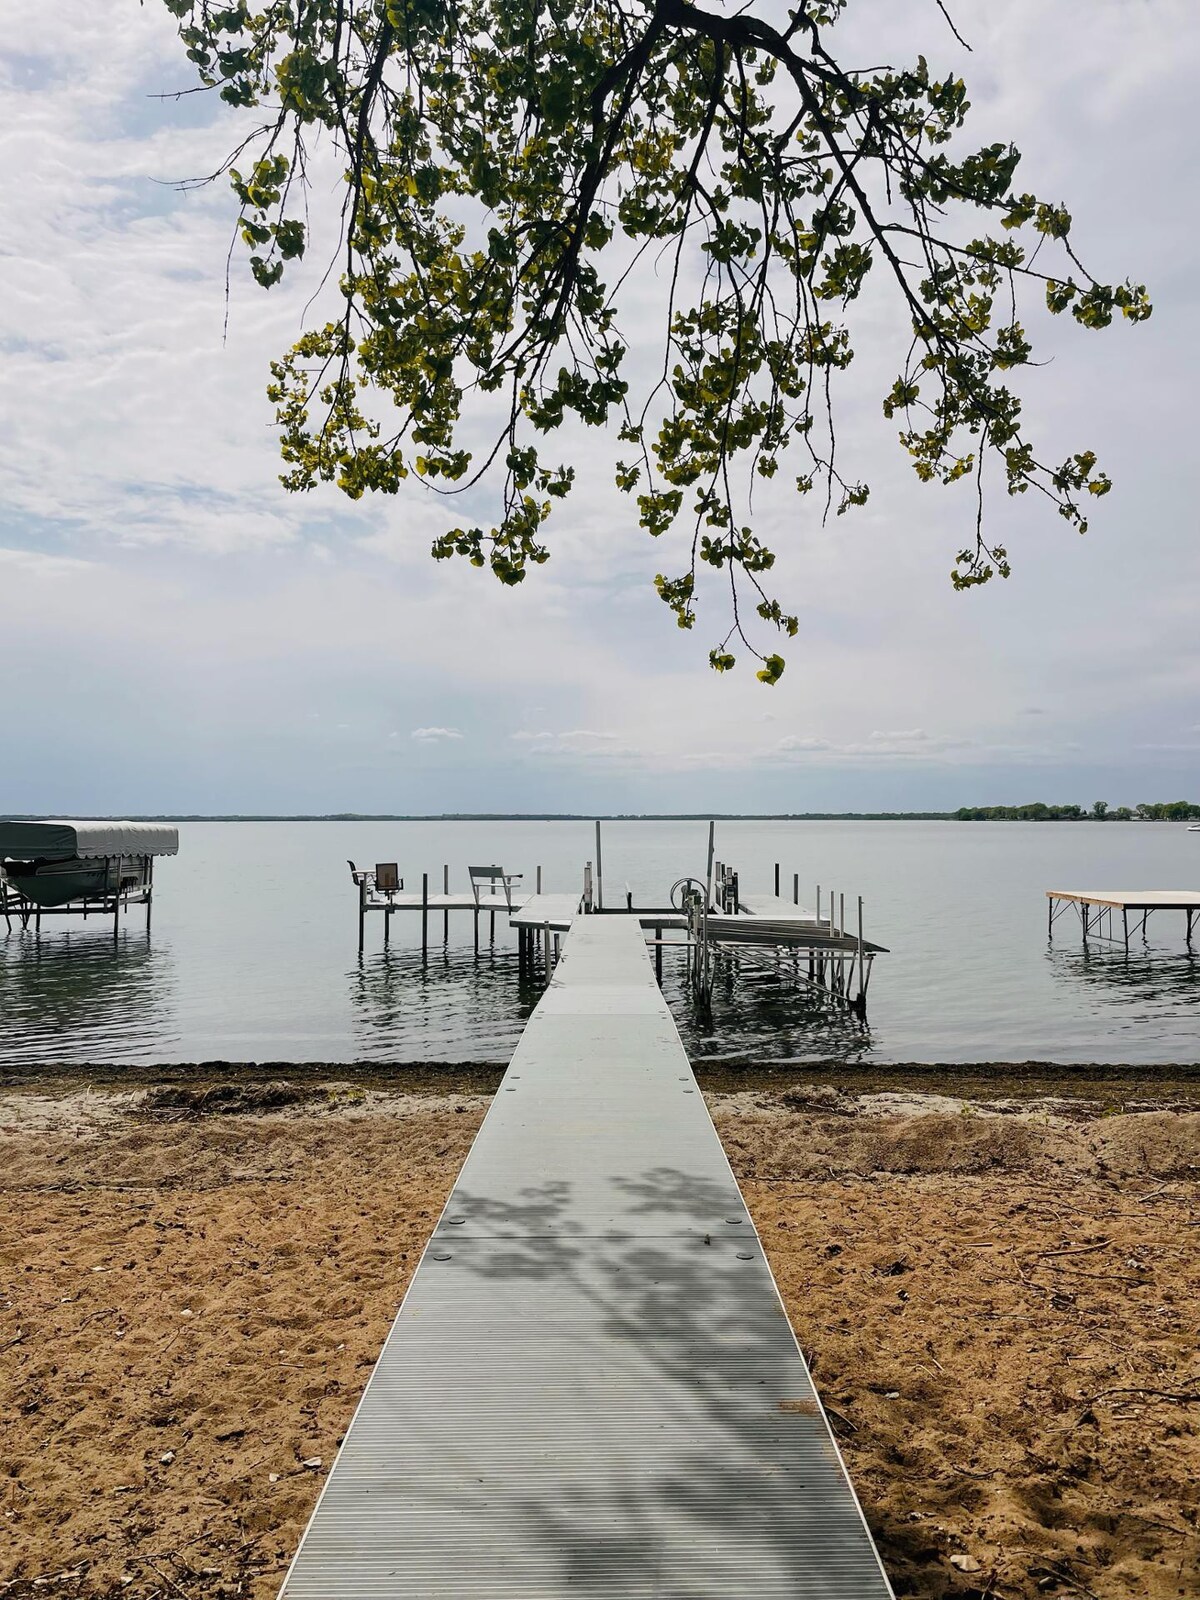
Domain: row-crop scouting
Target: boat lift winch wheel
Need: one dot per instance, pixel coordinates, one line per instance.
(685, 889)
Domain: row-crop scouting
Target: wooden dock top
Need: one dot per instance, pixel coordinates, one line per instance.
(591, 1388)
(1132, 899)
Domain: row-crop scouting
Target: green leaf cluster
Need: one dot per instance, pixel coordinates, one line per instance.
(510, 164)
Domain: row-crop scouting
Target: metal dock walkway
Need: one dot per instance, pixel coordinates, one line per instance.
(591, 1388)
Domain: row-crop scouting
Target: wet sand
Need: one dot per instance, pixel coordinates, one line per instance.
(997, 1284)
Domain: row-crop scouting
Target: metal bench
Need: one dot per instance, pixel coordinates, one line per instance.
(495, 880)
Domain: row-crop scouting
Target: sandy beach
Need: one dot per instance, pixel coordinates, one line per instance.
(995, 1279)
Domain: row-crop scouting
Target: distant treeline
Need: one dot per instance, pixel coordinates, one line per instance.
(1038, 811)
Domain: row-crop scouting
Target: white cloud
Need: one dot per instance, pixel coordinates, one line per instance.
(435, 735)
(41, 565)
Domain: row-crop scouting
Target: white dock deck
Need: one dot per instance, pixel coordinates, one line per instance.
(591, 1388)
(554, 911)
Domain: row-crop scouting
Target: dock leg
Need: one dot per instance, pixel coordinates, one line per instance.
(424, 915)
(491, 927)
(387, 928)
(546, 949)
(446, 913)
(362, 912)
(1125, 926)
(476, 916)
(795, 888)
(658, 950)
(777, 880)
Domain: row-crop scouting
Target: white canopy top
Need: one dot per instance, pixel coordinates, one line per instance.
(62, 840)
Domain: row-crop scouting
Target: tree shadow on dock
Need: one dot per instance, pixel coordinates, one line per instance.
(662, 1435)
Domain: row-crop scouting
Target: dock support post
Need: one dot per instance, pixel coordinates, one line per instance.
(1190, 915)
(862, 988)
(777, 880)
(539, 880)
(709, 871)
(149, 888)
(362, 910)
(491, 927)
(446, 912)
(424, 915)
(1125, 925)
(658, 950)
(476, 919)
(546, 948)
(387, 927)
(599, 891)
(795, 888)
(1050, 917)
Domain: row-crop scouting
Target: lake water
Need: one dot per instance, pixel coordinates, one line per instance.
(253, 953)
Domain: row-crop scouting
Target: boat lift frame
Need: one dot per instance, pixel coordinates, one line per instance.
(109, 903)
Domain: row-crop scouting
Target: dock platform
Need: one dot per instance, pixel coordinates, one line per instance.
(591, 1388)
(1096, 908)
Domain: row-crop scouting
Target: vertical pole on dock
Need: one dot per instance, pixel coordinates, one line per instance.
(476, 919)
(1125, 924)
(599, 871)
(149, 888)
(658, 950)
(587, 888)
(1050, 916)
(862, 988)
(446, 912)
(491, 927)
(777, 880)
(795, 888)
(546, 948)
(539, 880)
(709, 873)
(424, 915)
(556, 949)
(841, 914)
(818, 902)
(387, 927)
(362, 909)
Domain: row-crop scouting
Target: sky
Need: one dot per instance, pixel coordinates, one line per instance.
(181, 635)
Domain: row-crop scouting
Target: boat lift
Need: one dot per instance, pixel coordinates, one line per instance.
(69, 868)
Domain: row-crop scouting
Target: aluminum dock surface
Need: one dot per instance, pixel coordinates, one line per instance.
(591, 1387)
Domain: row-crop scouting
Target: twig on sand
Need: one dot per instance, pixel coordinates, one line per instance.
(166, 1577)
(1074, 1249)
(1183, 1397)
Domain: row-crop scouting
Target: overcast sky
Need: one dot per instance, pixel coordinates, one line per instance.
(181, 635)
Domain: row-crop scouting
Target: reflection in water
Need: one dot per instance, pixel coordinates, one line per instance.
(1159, 980)
(764, 1014)
(460, 1006)
(463, 1007)
(78, 993)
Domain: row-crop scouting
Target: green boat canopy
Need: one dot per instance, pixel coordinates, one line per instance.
(63, 840)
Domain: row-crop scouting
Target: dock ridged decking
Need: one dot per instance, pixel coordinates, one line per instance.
(591, 1387)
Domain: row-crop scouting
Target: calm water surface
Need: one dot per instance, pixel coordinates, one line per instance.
(253, 954)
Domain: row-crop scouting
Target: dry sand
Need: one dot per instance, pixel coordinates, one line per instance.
(999, 1300)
